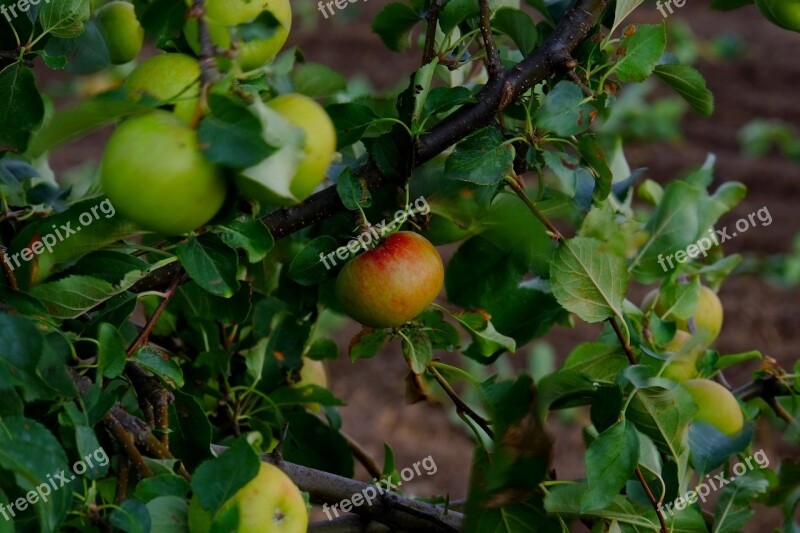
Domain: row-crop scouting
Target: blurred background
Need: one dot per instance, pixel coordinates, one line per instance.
(752, 68)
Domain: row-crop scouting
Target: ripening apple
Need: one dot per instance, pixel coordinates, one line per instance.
(223, 14)
(392, 283)
(121, 31)
(318, 149)
(784, 13)
(707, 315)
(716, 405)
(312, 373)
(154, 173)
(683, 365)
(269, 503)
(169, 78)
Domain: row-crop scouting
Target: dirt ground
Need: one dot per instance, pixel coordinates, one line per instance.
(758, 315)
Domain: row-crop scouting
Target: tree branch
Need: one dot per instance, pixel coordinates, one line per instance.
(389, 508)
(460, 404)
(493, 65)
(432, 18)
(495, 96)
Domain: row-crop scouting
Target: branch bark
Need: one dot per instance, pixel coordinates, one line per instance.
(395, 511)
(495, 96)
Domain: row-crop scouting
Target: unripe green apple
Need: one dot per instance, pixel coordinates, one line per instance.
(682, 366)
(169, 78)
(715, 405)
(154, 173)
(707, 316)
(319, 146)
(392, 283)
(312, 373)
(121, 31)
(784, 13)
(269, 503)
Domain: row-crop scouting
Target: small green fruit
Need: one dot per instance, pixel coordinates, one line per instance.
(707, 315)
(784, 13)
(154, 173)
(683, 365)
(392, 283)
(121, 30)
(168, 78)
(312, 373)
(715, 405)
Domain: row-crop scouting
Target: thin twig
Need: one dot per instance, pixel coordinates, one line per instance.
(209, 71)
(144, 335)
(461, 406)
(656, 503)
(430, 37)
(493, 65)
(366, 460)
(123, 475)
(515, 186)
(622, 340)
(128, 445)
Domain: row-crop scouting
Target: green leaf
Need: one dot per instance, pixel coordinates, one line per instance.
(733, 507)
(217, 480)
(307, 267)
(21, 107)
(168, 514)
(64, 18)
(210, 263)
(190, 430)
(111, 352)
(248, 234)
(32, 455)
(131, 517)
(81, 119)
(353, 190)
(622, 9)
(482, 158)
(161, 485)
(162, 365)
(593, 155)
(322, 349)
(610, 461)
(443, 99)
(563, 112)
(487, 342)
(455, 11)
(73, 296)
(231, 135)
(640, 53)
(394, 24)
(598, 361)
(663, 415)
(518, 25)
(690, 84)
(565, 500)
(417, 349)
(305, 395)
(317, 81)
(367, 344)
(85, 54)
(351, 121)
(588, 280)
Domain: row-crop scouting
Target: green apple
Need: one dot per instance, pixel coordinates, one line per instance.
(707, 315)
(168, 78)
(255, 52)
(121, 31)
(269, 503)
(715, 405)
(154, 173)
(392, 283)
(784, 13)
(312, 373)
(686, 353)
(318, 148)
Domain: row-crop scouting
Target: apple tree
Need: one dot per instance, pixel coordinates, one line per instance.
(165, 317)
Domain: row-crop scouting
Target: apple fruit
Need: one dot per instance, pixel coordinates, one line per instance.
(121, 31)
(392, 283)
(686, 353)
(154, 173)
(318, 149)
(707, 315)
(251, 54)
(716, 405)
(268, 503)
(312, 373)
(168, 78)
(784, 13)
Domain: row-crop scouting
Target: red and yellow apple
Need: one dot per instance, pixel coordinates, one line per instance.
(716, 405)
(392, 283)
